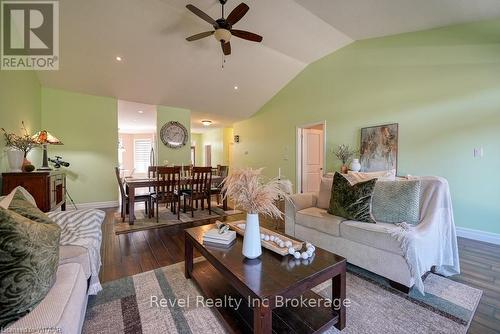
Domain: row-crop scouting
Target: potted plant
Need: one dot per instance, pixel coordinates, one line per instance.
(344, 153)
(18, 147)
(248, 191)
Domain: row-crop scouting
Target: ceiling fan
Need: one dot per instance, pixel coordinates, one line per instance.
(224, 26)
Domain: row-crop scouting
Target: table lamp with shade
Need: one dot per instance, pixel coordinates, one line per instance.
(44, 138)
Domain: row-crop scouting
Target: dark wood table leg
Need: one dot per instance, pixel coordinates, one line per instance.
(224, 202)
(188, 256)
(131, 202)
(338, 295)
(262, 320)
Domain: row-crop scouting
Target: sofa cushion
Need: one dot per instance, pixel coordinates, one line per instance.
(325, 192)
(22, 205)
(75, 254)
(63, 309)
(319, 220)
(396, 201)
(374, 235)
(29, 257)
(352, 202)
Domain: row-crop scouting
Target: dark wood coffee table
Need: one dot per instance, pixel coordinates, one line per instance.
(265, 284)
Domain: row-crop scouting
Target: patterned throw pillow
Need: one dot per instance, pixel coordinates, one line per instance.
(396, 202)
(29, 257)
(352, 202)
(21, 205)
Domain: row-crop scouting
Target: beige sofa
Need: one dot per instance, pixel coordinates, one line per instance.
(63, 309)
(369, 246)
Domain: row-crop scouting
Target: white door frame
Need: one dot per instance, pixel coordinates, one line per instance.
(298, 151)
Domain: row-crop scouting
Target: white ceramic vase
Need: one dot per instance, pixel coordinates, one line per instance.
(251, 239)
(355, 165)
(16, 159)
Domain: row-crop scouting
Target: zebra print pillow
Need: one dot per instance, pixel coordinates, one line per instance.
(29, 257)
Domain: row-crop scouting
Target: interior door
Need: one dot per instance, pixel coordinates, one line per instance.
(312, 159)
(208, 156)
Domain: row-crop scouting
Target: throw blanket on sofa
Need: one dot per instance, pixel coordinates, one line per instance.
(433, 241)
(83, 228)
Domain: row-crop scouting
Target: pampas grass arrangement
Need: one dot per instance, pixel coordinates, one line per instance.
(248, 190)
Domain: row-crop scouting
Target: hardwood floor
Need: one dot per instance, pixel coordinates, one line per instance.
(128, 254)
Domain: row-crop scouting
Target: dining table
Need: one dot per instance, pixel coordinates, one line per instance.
(133, 183)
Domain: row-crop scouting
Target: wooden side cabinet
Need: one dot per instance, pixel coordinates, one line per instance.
(48, 188)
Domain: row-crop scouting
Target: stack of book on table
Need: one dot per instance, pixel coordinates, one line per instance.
(214, 238)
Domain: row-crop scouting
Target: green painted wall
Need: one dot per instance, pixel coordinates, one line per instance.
(20, 100)
(443, 88)
(219, 140)
(88, 127)
(174, 156)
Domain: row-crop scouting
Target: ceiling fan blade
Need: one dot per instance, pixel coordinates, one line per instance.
(237, 13)
(201, 14)
(199, 36)
(226, 48)
(250, 36)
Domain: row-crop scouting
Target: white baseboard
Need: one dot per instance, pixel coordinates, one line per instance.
(468, 233)
(92, 205)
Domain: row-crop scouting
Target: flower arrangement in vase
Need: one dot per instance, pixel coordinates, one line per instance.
(344, 153)
(249, 192)
(18, 148)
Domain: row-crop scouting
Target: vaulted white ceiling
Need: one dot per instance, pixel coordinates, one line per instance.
(160, 67)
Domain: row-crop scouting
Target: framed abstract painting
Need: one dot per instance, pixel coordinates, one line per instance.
(379, 148)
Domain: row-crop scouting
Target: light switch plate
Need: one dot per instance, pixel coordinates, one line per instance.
(478, 152)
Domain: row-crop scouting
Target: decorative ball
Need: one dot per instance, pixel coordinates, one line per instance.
(304, 255)
(308, 244)
(288, 243)
(266, 238)
(28, 168)
(272, 237)
(309, 252)
(282, 244)
(291, 251)
(312, 248)
(262, 236)
(296, 255)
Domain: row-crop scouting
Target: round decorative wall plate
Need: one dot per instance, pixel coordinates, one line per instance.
(174, 135)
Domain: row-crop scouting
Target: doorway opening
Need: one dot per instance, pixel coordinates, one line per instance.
(310, 156)
(136, 138)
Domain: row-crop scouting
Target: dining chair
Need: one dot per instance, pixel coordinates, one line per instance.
(199, 188)
(167, 190)
(222, 171)
(125, 199)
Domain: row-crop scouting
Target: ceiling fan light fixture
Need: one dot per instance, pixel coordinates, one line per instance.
(206, 123)
(222, 35)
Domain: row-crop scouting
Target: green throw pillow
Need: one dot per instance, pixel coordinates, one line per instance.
(396, 202)
(22, 206)
(29, 257)
(352, 202)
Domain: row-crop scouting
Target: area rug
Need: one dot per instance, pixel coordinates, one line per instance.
(167, 218)
(130, 305)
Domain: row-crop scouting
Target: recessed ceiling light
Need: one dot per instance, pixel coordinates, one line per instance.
(140, 112)
(206, 122)
(235, 87)
(118, 58)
